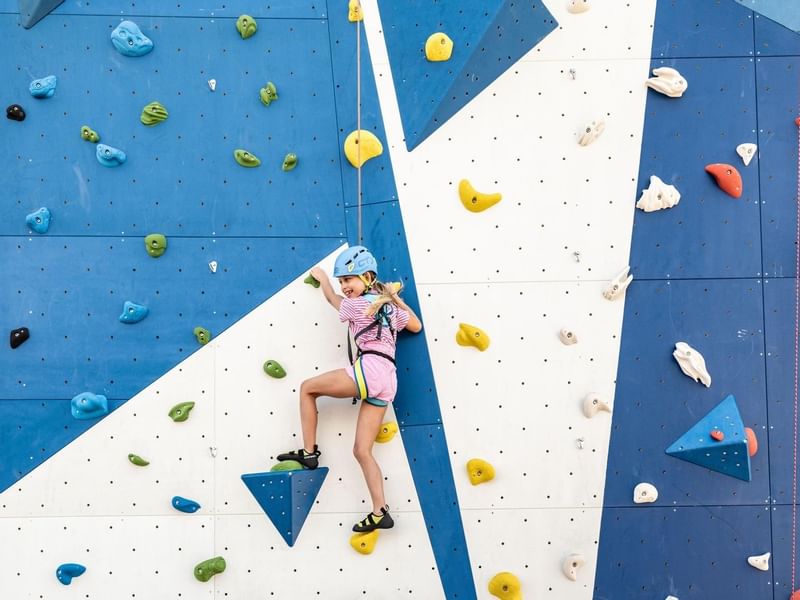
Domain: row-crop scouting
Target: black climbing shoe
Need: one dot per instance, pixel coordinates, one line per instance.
(309, 461)
(370, 524)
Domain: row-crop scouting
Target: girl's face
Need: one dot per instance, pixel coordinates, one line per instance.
(352, 286)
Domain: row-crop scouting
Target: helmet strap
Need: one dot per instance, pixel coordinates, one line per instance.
(367, 283)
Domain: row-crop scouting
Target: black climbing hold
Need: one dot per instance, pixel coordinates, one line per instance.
(15, 112)
(18, 336)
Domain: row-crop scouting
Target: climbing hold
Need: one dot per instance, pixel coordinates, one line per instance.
(110, 157)
(88, 406)
(311, 280)
(747, 152)
(133, 313)
(571, 565)
(212, 84)
(15, 112)
(289, 161)
(469, 335)
(287, 465)
(567, 337)
(717, 435)
(364, 543)
(66, 572)
(185, 505)
(592, 404)
(180, 412)
(354, 11)
(137, 460)
(208, 568)
(156, 244)
(473, 200)
(39, 220)
(19, 336)
(44, 87)
(370, 147)
(617, 286)
(274, 369)
(645, 493)
(760, 562)
(727, 178)
(658, 196)
(578, 6)
(246, 26)
(668, 81)
(692, 363)
(671, 598)
(129, 40)
(153, 114)
(438, 47)
(89, 134)
(386, 433)
(752, 441)
(591, 132)
(506, 586)
(245, 158)
(212, 266)
(479, 471)
(795, 594)
(202, 335)
(268, 93)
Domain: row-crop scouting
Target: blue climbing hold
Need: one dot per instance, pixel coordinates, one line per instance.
(89, 406)
(184, 504)
(44, 87)
(109, 156)
(67, 571)
(133, 313)
(39, 220)
(129, 40)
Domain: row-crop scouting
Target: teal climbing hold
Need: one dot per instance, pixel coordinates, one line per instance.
(202, 335)
(109, 156)
(245, 158)
(66, 572)
(286, 465)
(89, 134)
(268, 93)
(246, 26)
(39, 220)
(156, 244)
(289, 161)
(153, 114)
(184, 504)
(274, 369)
(129, 40)
(88, 406)
(137, 460)
(44, 87)
(133, 313)
(208, 568)
(311, 280)
(180, 412)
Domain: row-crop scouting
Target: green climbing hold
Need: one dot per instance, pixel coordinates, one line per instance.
(311, 280)
(138, 460)
(246, 26)
(287, 465)
(153, 114)
(274, 369)
(245, 158)
(208, 568)
(89, 134)
(180, 412)
(156, 244)
(268, 93)
(202, 335)
(289, 161)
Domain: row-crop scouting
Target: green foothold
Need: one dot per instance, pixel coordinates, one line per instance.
(273, 369)
(289, 161)
(156, 244)
(89, 134)
(138, 460)
(180, 412)
(311, 280)
(287, 465)
(268, 93)
(245, 158)
(203, 335)
(153, 114)
(208, 568)
(246, 26)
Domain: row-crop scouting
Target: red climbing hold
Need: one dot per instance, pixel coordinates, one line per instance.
(796, 122)
(727, 177)
(795, 595)
(752, 441)
(717, 435)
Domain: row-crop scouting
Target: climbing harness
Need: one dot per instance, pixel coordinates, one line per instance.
(381, 320)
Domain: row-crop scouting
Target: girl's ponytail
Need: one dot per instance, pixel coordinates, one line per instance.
(386, 295)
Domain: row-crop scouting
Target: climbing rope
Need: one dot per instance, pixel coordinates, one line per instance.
(358, 115)
(796, 333)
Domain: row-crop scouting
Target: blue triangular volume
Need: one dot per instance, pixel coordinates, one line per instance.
(286, 497)
(728, 456)
(33, 11)
(785, 12)
(488, 38)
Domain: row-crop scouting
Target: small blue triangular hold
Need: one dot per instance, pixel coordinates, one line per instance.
(728, 455)
(33, 11)
(286, 497)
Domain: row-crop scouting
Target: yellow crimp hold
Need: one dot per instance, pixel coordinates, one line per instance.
(479, 471)
(505, 585)
(370, 147)
(469, 335)
(386, 432)
(439, 47)
(473, 200)
(364, 543)
(354, 11)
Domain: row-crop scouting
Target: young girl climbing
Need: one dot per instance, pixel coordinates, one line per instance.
(375, 314)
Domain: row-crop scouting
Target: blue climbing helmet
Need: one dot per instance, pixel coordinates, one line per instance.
(356, 260)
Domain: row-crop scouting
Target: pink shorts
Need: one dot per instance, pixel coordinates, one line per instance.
(375, 378)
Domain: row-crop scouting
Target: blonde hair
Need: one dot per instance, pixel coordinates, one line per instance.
(386, 295)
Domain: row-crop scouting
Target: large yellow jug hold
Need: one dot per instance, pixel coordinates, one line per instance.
(439, 47)
(354, 11)
(386, 432)
(475, 201)
(364, 543)
(479, 471)
(505, 585)
(370, 147)
(469, 335)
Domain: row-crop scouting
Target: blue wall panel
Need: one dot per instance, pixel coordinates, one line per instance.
(781, 11)
(773, 39)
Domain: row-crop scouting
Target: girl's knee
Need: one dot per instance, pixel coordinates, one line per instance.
(362, 452)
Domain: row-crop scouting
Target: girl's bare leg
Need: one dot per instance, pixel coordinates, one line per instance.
(336, 384)
(370, 419)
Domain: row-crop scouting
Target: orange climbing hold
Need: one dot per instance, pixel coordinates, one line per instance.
(717, 435)
(727, 178)
(752, 441)
(796, 593)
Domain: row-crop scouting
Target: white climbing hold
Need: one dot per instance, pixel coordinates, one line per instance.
(579, 442)
(747, 152)
(578, 6)
(671, 598)
(593, 404)
(760, 562)
(658, 196)
(692, 363)
(617, 286)
(213, 450)
(213, 266)
(645, 493)
(591, 132)
(567, 337)
(668, 81)
(212, 84)
(571, 565)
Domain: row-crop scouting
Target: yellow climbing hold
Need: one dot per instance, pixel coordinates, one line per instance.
(473, 200)
(469, 335)
(505, 585)
(370, 147)
(364, 543)
(439, 47)
(479, 471)
(386, 432)
(354, 11)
